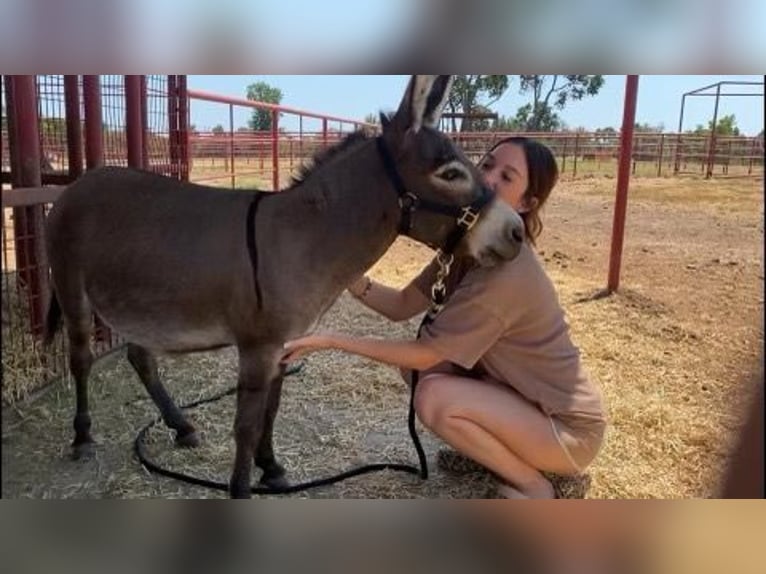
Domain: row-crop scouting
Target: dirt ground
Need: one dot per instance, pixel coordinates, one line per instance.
(673, 351)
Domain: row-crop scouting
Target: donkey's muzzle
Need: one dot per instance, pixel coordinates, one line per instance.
(497, 236)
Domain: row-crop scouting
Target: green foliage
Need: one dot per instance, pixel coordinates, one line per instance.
(468, 96)
(727, 126)
(262, 92)
(549, 92)
(218, 129)
(648, 128)
(541, 119)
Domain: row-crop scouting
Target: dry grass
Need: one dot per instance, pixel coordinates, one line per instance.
(671, 351)
(25, 364)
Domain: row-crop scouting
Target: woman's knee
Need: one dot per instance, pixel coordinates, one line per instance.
(429, 401)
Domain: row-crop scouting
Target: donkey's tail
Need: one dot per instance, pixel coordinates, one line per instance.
(52, 319)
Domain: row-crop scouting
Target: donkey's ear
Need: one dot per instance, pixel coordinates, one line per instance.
(423, 102)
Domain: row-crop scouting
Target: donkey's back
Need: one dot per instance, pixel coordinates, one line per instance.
(161, 261)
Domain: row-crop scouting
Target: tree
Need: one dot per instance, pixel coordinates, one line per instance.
(545, 120)
(550, 92)
(262, 92)
(468, 95)
(648, 128)
(727, 126)
(218, 129)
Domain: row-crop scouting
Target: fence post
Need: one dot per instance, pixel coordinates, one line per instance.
(94, 135)
(24, 137)
(564, 156)
(275, 149)
(659, 162)
(183, 127)
(73, 125)
(752, 156)
(711, 151)
(133, 127)
(623, 180)
(576, 152)
(173, 126)
(231, 146)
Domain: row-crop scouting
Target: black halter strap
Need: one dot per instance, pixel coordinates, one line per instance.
(252, 247)
(409, 203)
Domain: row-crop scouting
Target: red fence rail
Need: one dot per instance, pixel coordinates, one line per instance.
(264, 159)
(235, 155)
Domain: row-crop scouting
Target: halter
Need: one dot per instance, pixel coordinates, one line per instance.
(465, 218)
(409, 203)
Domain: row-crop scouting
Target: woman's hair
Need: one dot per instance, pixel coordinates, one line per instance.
(543, 173)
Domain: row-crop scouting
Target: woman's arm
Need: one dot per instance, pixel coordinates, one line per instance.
(408, 354)
(394, 304)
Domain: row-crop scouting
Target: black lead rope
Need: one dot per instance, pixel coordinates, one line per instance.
(140, 450)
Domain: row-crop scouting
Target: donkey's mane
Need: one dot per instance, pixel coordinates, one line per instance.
(326, 155)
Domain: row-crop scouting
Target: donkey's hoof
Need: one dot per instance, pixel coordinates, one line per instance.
(83, 451)
(189, 439)
(275, 482)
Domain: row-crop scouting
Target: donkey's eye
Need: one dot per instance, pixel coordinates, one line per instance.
(451, 174)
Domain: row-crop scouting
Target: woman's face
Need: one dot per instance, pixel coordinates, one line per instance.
(504, 170)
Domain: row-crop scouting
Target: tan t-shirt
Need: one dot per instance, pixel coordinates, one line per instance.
(506, 322)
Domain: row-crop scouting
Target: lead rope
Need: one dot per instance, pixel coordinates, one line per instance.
(438, 294)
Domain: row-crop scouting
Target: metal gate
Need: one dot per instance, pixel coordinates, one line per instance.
(53, 128)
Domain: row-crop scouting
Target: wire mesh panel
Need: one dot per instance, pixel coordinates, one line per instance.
(52, 126)
(60, 130)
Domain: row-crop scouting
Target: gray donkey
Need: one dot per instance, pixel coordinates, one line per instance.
(175, 267)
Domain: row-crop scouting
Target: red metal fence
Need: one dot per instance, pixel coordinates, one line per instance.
(235, 155)
(654, 154)
(54, 127)
(264, 159)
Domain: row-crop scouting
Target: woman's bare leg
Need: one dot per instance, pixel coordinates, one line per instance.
(496, 427)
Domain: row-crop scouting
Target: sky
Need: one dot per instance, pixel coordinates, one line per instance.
(354, 97)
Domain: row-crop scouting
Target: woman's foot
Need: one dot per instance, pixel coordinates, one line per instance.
(540, 490)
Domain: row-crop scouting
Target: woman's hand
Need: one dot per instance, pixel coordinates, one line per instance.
(301, 347)
(360, 287)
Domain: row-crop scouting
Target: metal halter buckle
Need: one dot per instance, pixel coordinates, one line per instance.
(468, 218)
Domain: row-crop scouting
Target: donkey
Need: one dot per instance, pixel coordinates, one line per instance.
(175, 267)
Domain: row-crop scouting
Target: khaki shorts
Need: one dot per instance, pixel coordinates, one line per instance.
(580, 436)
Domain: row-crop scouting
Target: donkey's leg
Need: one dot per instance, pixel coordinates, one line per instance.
(273, 472)
(145, 365)
(258, 369)
(80, 363)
